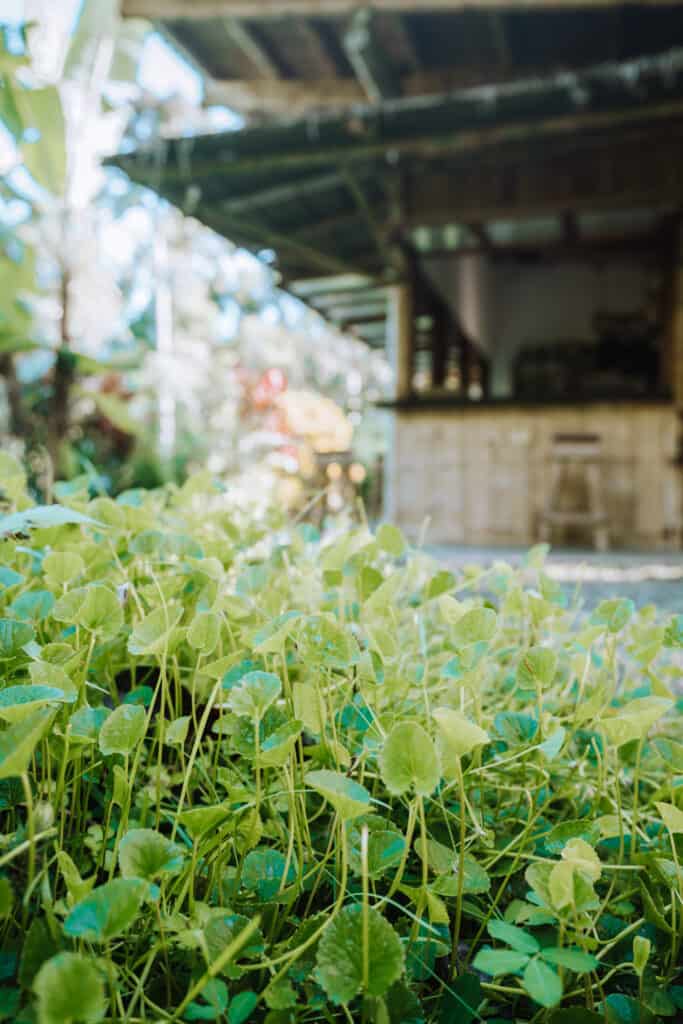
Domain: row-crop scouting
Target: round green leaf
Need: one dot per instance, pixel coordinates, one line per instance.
(144, 853)
(254, 694)
(100, 612)
(263, 872)
(33, 605)
(19, 741)
(409, 760)
(151, 634)
(204, 632)
(391, 540)
(69, 989)
(108, 911)
(633, 721)
(60, 567)
(14, 635)
(348, 798)
(476, 626)
(176, 731)
(537, 667)
(123, 730)
(340, 955)
(198, 820)
(278, 745)
(456, 736)
(18, 702)
(87, 722)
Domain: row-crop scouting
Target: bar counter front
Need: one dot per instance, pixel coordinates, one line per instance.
(485, 473)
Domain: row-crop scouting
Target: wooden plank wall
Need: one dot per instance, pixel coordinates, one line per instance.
(481, 475)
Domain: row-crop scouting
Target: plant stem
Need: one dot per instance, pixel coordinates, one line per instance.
(461, 867)
(31, 830)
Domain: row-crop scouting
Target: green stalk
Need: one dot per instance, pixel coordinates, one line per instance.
(31, 832)
(461, 867)
(228, 954)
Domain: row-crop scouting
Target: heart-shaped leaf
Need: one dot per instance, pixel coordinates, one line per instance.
(348, 798)
(18, 702)
(144, 853)
(19, 741)
(476, 626)
(456, 737)
(633, 721)
(255, 694)
(123, 730)
(409, 760)
(70, 990)
(341, 950)
(107, 911)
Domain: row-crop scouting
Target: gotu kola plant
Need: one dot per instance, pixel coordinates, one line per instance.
(253, 775)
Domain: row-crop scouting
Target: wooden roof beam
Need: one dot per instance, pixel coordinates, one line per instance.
(364, 207)
(198, 10)
(284, 193)
(284, 98)
(308, 288)
(369, 313)
(368, 59)
(331, 299)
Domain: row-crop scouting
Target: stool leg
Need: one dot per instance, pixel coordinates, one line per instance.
(597, 507)
(551, 497)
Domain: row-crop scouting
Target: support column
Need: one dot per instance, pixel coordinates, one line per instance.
(676, 361)
(400, 336)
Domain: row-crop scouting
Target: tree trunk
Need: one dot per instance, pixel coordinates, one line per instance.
(58, 422)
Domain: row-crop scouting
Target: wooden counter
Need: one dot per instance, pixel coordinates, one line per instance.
(480, 471)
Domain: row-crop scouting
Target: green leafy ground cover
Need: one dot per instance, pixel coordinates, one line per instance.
(250, 776)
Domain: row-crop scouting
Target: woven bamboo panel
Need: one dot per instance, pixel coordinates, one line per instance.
(481, 475)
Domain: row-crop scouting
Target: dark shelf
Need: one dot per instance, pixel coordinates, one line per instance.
(451, 403)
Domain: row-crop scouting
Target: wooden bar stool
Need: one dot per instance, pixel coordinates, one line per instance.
(578, 456)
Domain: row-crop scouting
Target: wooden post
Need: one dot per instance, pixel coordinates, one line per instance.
(677, 324)
(676, 359)
(400, 336)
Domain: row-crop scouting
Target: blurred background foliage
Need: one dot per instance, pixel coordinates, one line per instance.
(135, 344)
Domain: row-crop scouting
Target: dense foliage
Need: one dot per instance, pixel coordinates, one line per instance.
(246, 775)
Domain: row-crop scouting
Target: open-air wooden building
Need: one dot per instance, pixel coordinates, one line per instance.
(494, 191)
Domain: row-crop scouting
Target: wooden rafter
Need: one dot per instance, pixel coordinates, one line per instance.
(360, 199)
(201, 9)
(284, 193)
(306, 32)
(256, 234)
(500, 39)
(368, 58)
(238, 33)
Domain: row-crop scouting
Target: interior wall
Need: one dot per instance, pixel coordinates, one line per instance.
(548, 303)
(505, 305)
